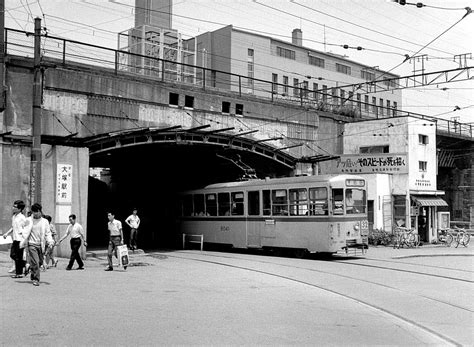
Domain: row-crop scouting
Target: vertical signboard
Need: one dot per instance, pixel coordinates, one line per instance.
(64, 184)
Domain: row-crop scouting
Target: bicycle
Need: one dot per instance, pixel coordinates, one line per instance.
(445, 236)
(406, 237)
(463, 237)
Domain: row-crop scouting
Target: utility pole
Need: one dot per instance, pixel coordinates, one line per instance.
(2, 55)
(36, 154)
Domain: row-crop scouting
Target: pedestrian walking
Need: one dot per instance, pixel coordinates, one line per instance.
(77, 234)
(133, 222)
(37, 236)
(116, 238)
(17, 230)
(49, 256)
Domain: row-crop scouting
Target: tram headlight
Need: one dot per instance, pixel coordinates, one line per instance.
(356, 227)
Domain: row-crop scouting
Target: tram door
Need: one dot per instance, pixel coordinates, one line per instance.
(253, 224)
(253, 234)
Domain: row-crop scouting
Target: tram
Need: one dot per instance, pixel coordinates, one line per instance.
(315, 214)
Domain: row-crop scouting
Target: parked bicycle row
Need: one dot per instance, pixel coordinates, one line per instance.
(404, 237)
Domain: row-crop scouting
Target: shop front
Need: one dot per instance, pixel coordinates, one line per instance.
(424, 215)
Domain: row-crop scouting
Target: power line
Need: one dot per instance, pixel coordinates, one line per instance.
(360, 26)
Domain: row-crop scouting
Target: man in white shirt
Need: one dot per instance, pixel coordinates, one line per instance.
(77, 234)
(17, 230)
(116, 238)
(37, 235)
(133, 222)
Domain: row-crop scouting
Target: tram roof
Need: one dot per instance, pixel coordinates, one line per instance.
(284, 180)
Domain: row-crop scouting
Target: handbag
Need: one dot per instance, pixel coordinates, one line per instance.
(122, 255)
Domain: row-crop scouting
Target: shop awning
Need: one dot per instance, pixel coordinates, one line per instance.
(429, 201)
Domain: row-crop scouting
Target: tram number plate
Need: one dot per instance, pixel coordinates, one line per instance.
(364, 224)
(225, 228)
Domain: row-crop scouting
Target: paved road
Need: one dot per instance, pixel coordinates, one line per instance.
(203, 298)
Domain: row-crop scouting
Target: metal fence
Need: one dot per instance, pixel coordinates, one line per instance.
(65, 51)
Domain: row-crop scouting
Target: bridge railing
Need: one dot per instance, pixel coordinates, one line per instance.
(66, 51)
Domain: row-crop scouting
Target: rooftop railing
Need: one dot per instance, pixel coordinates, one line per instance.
(64, 51)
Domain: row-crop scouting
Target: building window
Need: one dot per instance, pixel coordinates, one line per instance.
(285, 85)
(381, 106)
(374, 149)
(374, 105)
(315, 92)
(189, 101)
(286, 53)
(366, 103)
(239, 109)
(325, 93)
(296, 85)
(225, 107)
(334, 99)
(305, 89)
(343, 95)
(250, 70)
(359, 105)
(399, 210)
(388, 107)
(422, 139)
(275, 83)
(422, 165)
(316, 61)
(343, 69)
(395, 106)
(174, 99)
(368, 76)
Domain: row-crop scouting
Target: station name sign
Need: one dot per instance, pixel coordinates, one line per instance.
(391, 163)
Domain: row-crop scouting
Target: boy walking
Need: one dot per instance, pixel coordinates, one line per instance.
(77, 234)
(37, 235)
(116, 238)
(17, 230)
(133, 222)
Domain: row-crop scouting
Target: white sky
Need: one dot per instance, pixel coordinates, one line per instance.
(386, 30)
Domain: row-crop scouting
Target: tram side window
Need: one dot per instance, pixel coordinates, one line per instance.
(199, 205)
(266, 203)
(187, 205)
(253, 199)
(355, 201)
(279, 202)
(298, 202)
(338, 201)
(211, 205)
(318, 201)
(224, 204)
(237, 207)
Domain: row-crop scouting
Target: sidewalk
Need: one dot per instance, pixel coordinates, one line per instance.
(388, 252)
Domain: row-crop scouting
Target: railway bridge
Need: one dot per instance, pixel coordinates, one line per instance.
(114, 139)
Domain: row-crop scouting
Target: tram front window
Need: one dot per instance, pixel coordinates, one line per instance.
(355, 201)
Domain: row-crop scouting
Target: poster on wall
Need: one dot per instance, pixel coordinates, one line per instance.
(64, 184)
(391, 163)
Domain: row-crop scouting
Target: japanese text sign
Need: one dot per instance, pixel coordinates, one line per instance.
(64, 183)
(372, 163)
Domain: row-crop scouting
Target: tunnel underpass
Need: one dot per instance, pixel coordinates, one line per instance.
(148, 177)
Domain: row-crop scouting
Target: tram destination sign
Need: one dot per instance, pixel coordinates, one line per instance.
(391, 163)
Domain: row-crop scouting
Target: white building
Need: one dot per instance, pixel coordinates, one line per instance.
(289, 70)
(398, 158)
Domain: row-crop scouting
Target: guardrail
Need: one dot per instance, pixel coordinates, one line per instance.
(65, 51)
(193, 239)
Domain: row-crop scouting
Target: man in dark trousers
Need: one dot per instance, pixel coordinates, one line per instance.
(17, 230)
(77, 234)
